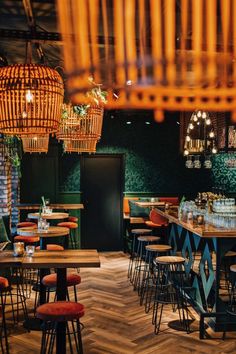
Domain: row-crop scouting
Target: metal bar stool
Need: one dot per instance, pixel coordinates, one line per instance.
(134, 234)
(4, 286)
(148, 281)
(139, 262)
(169, 290)
(53, 314)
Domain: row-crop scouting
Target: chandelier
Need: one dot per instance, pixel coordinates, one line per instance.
(200, 140)
(31, 96)
(161, 55)
(35, 143)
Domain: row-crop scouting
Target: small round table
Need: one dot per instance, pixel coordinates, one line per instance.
(51, 216)
(53, 231)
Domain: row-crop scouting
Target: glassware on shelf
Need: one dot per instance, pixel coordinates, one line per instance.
(189, 162)
(197, 162)
(207, 162)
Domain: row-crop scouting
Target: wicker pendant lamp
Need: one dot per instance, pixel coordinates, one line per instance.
(77, 126)
(31, 96)
(80, 146)
(35, 143)
(152, 54)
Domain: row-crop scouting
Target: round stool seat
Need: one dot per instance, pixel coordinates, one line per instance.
(141, 231)
(73, 219)
(60, 311)
(26, 224)
(230, 254)
(69, 224)
(51, 280)
(3, 283)
(158, 248)
(233, 268)
(148, 238)
(27, 239)
(52, 247)
(149, 223)
(170, 260)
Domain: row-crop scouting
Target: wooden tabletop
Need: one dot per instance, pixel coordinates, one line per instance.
(206, 230)
(52, 259)
(150, 204)
(51, 216)
(53, 206)
(53, 231)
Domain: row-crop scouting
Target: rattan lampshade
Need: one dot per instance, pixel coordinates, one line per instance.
(74, 126)
(35, 143)
(31, 96)
(80, 146)
(152, 54)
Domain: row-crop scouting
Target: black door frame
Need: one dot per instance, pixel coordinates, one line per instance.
(121, 156)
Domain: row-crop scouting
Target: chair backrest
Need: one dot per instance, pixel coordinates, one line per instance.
(3, 232)
(157, 219)
(172, 200)
(126, 208)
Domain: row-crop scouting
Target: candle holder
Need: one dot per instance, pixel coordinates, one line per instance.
(18, 249)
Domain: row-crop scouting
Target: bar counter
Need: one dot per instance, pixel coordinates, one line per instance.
(204, 248)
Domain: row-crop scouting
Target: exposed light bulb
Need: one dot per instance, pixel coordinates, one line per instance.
(211, 134)
(128, 122)
(24, 114)
(29, 96)
(128, 82)
(198, 123)
(147, 122)
(191, 126)
(204, 115)
(186, 152)
(188, 138)
(208, 121)
(35, 138)
(199, 114)
(195, 118)
(214, 150)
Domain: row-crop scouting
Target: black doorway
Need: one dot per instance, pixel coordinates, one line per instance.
(102, 184)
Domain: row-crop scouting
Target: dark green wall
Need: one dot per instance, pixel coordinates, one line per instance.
(223, 175)
(153, 161)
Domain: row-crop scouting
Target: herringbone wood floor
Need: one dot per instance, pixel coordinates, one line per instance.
(116, 324)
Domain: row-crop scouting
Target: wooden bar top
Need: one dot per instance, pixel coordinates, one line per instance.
(205, 230)
(53, 206)
(52, 259)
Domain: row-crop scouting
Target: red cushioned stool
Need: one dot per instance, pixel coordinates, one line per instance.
(52, 247)
(72, 226)
(61, 311)
(73, 219)
(26, 224)
(4, 286)
(50, 281)
(29, 240)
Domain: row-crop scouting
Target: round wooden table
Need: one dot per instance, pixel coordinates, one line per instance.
(51, 216)
(53, 231)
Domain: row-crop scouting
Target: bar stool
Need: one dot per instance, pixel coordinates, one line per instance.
(148, 280)
(139, 263)
(72, 280)
(72, 226)
(134, 234)
(72, 218)
(4, 287)
(61, 312)
(26, 224)
(52, 247)
(168, 290)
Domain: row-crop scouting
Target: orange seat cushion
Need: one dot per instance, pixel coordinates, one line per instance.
(52, 247)
(126, 208)
(69, 224)
(3, 283)
(26, 224)
(156, 219)
(60, 311)
(172, 200)
(51, 280)
(27, 239)
(73, 219)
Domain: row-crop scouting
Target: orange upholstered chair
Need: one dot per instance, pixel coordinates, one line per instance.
(156, 220)
(171, 200)
(72, 226)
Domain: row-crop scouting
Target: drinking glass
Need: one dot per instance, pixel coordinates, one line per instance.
(189, 162)
(30, 250)
(207, 162)
(197, 162)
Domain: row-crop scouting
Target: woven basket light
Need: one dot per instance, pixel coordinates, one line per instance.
(35, 143)
(75, 127)
(80, 146)
(152, 54)
(31, 96)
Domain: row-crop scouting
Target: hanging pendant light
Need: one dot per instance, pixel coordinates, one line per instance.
(35, 143)
(80, 146)
(31, 96)
(154, 54)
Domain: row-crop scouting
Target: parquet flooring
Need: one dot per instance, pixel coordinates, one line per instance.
(116, 324)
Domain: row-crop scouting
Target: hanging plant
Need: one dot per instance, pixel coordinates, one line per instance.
(12, 151)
